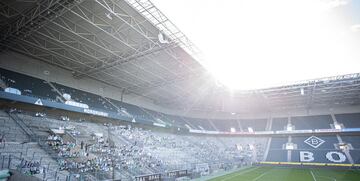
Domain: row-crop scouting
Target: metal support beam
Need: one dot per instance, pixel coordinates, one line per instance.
(116, 11)
(35, 18)
(159, 20)
(110, 30)
(7, 11)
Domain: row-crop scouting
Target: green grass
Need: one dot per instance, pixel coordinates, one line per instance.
(290, 174)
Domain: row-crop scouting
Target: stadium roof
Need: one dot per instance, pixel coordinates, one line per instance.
(132, 45)
(128, 44)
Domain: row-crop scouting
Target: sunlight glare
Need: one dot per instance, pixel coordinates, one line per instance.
(271, 43)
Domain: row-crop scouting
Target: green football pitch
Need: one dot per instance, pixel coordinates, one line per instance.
(290, 174)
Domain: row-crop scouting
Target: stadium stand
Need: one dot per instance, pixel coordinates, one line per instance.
(158, 116)
(320, 156)
(105, 90)
(276, 152)
(26, 156)
(226, 125)
(94, 101)
(148, 152)
(354, 140)
(312, 149)
(349, 120)
(135, 111)
(355, 154)
(27, 85)
(277, 156)
(177, 121)
(10, 131)
(278, 142)
(328, 142)
(202, 124)
(255, 124)
(279, 124)
(312, 122)
(139, 151)
(85, 148)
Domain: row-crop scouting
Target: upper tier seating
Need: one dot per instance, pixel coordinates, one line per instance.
(92, 100)
(312, 122)
(279, 124)
(138, 113)
(226, 125)
(255, 124)
(158, 116)
(177, 120)
(39, 88)
(349, 120)
(201, 124)
(27, 85)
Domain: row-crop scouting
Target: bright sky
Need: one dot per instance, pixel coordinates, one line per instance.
(251, 44)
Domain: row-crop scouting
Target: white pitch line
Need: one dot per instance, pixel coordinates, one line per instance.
(313, 176)
(258, 177)
(329, 178)
(246, 171)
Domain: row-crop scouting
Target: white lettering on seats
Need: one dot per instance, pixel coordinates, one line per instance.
(306, 156)
(339, 159)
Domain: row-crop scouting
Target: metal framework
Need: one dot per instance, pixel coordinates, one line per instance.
(117, 42)
(342, 90)
(100, 39)
(159, 20)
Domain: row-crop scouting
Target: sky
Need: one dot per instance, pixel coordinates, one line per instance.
(253, 44)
